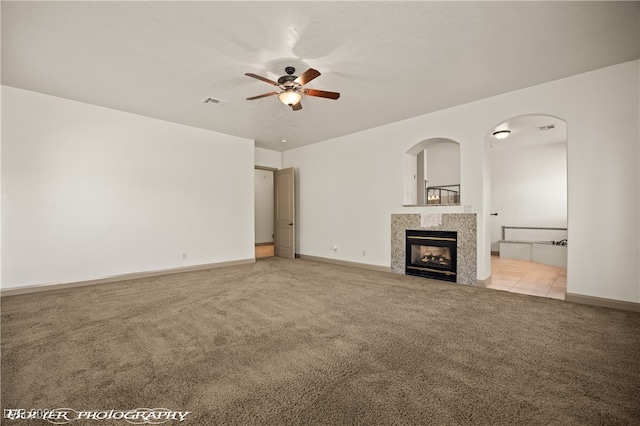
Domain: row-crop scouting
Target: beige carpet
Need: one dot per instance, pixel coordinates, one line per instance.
(297, 342)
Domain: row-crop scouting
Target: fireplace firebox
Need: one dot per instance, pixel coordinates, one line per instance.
(431, 254)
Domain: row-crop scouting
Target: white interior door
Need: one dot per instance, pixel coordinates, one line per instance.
(285, 230)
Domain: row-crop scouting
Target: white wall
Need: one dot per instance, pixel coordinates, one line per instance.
(410, 176)
(603, 151)
(420, 176)
(263, 187)
(263, 184)
(89, 192)
(443, 164)
(529, 188)
(268, 158)
(349, 186)
(1, 149)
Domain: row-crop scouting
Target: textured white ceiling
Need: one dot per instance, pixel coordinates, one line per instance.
(389, 60)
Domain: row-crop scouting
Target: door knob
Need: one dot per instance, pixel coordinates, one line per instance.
(494, 214)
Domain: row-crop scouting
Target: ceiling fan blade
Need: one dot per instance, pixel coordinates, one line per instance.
(262, 96)
(297, 107)
(307, 76)
(322, 94)
(266, 80)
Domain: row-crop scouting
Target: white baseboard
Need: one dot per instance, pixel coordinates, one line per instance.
(601, 301)
(345, 263)
(479, 283)
(483, 283)
(123, 277)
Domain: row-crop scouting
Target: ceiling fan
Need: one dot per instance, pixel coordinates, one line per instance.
(292, 87)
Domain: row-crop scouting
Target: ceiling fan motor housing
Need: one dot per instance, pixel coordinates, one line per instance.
(287, 80)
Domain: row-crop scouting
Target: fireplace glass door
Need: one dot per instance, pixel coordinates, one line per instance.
(432, 254)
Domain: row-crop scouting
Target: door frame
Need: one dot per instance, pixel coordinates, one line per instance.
(275, 205)
(273, 196)
(285, 215)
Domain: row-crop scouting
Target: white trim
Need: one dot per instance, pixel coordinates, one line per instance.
(483, 283)
(601, 301)
(346, 263)
(115, 278)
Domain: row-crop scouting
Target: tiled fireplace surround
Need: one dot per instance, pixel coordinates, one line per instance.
(462, 223)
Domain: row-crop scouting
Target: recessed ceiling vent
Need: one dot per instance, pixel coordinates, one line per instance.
(547, 127)
(211, 100)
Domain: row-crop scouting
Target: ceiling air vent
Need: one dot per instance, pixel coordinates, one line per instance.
(547, 127)
(211, 100)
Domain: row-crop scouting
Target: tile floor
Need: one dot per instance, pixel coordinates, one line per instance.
(521, 276)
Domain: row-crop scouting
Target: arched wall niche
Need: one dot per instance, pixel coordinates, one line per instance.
(432, 173)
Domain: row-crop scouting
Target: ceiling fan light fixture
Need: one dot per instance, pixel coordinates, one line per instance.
(290, 97)
(501, 134)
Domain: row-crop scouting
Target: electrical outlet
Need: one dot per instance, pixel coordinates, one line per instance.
(335, 248)
(364, 252)
(184, 255)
